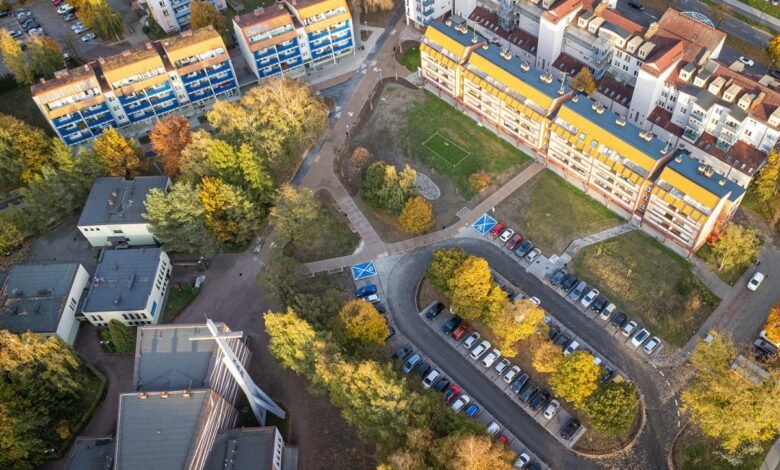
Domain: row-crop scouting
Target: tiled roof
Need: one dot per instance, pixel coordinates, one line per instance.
(568, 64)
(262, 15)
(560, 10)
(663, 119)
(665, 57)
(615, 90)
(741, 155)
(696, 36)
(611, 16)
(516, 36)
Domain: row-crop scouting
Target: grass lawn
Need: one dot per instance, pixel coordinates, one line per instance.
(552, 213)
(333, 238)
(411, 58)
(730, 276)
(178, 298)
(446, 149)
(18, 103)
(650, 283)
(488, 152)
(695, 451)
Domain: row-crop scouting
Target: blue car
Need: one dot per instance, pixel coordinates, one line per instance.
(411, 363)
(472, 410)
(368, 289)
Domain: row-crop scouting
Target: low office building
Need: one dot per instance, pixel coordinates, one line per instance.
(174, 15)
(113, 213)
(295, 37)
(250, 449)
(137, 87)
(129, 285)
(43, 299)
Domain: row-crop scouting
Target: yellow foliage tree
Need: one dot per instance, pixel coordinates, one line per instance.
(772, 326)
(576, 378)
(546, 357)
(470, 287)
(416, 216)
(773, 49)
(519, 320)
(230, 215)
(472, 453)
(584, 82)
(117, 153)
(363, 323)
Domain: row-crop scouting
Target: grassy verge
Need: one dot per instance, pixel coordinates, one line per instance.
(487, 151)
(93, 385)
(411, 58)
(18, 103)
(650, 283)
(763, 5)
(695, 451)
(751, 50)
(552, 213)
(333, 238)
(730, 276)
(178, 299)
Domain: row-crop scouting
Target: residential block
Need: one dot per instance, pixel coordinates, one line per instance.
(174, 15)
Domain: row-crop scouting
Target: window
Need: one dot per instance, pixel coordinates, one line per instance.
(118, 232)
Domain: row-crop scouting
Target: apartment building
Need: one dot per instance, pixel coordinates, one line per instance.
(137, 87)
(295, 37)
(174, 15)
(421, 13)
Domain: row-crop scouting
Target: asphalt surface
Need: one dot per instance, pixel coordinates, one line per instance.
(655, 440)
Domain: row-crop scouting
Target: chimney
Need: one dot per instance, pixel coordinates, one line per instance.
(651, 30)
(110, 203)
(186, 394)
(259, 11)
(759, 99)
(722, 182)
(620, 121)
(506, 54)
(678, 158)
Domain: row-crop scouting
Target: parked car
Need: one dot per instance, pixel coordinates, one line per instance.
(640, 337)
(629, 328)
(503, 439)
(479, 349)
(524, 248)
(88, 37)
(508, 233)
(423, 369)
(589, 298)
(533, 254)
(392, 333)
(452, 393)
(553, 331)
(620, 320)
(558, 276)
(527, 393)
(380, 307)
(539, 400)
(562, 340)
(747, 61)
(599, 304)
(571, 348)
(502, 365)
(511, 374)
(441, 384)
(460, 403)
(80, 29)
(76, 25)
(755, 281)
(451, 324)
(516, 239)
(636, 5)
(430, 379)
(570, 429)
(15, 33)
(519, 384)
(64, 8)
(470, 340)
(363, 291)
(607, 312)
(551, 409)
(491, 357)
(517, 297)
(763, 346)
(577, 292)
(461, 330)
(370, 298)
(652, 345)
(472, 410)
(497, 229)
(434, 311)
(608, 373)
(402, 352)
(522, 461)
(493, 428)
(411, 363)
(4, 13)
(569, 282)
(535, 300)
(69, 16)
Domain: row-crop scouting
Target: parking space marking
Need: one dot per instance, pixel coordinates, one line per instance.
(363, 270)
(484, 224)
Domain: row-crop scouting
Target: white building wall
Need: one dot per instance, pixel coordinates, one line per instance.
(163, 14)
(463, 8)
(69, 326)
(551, 41)
(137, 234)
(243, 45)
(647, 91)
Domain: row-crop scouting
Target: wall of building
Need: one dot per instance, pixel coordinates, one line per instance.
(69, 326)
(137, 234)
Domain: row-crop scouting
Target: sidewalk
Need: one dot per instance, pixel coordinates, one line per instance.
(580, 243)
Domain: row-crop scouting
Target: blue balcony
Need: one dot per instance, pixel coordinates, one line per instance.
(107, 117)
(75, 139)
(292, 63)
(133, 117)
(427, 3)
(201, 95)
(182, 12)
(138, 106)
(97, 130)
(224, 86)
(268, 62)
(428, 12)
(168, 106)
(192, 77)
(345, 27)
(67, 119)
(268, 72)
(267, 52)
(93, 110)
(192, 88)
(286, 47)
(342, 46)
(219, 72)
(319, 35)
(286, 54)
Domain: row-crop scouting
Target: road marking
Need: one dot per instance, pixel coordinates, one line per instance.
(662, 373)
(678, 411)
(676, 404)
(678, 423)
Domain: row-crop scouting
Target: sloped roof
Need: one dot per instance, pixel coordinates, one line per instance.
(696, 36)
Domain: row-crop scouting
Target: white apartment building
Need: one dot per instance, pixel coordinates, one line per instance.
(174, 15)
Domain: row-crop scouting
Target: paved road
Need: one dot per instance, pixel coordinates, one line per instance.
(655, 441)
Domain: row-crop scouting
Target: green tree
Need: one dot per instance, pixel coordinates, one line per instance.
(292, 341)
(470, 287)
(767, 182)
(119, 154)
(417, 216)
(519, 320)
(230, 215)
(45, 56)
(103, 20)
(737, 245)
(203, 14)
(612, 408)
(295, 213)
(169, 137)
(443, 266)
(14, 58)
(576, 378)
(546, 357)
(47, 199)
(24, 151)
(122, 336)
(10, 235)
(363, 324)
(384, 188)
(178, 220)
(773, 49)
(584, 82)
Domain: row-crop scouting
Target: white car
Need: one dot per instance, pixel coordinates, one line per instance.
(64, 8)
(493, 428)
(522, 460)
(430, 378)
(652, 345)
(36, 32)
(747, 61)
(470, 340)
(491, 357)
(458, 404)
(81, 29)
(640, 337)
(502, 365)
(571, 348)
(76, 26)
(530, 257)
(506, 235)
(629, 328)
(479, 349)
(755, 281)
(369, 298)
(551, 409)
(15, 33)
(510, 376)
(607, 312)
(589, 297)
(535, 300)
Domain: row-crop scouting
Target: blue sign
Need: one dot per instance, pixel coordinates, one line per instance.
(363, 270)
(484, 224)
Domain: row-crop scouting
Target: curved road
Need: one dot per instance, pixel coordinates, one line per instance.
(654, 443)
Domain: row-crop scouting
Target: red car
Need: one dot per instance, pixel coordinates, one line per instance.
(503, 439)
(451, 394)
(497, 229)
(464, 328)
(514, 241)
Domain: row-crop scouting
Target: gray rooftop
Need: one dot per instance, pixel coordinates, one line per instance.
(157, 433)
(166, 359)
(123, 280)
(92, 454)
(243, 449)
(34, 296)
(116, 200)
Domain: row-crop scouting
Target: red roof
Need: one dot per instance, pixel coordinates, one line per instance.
(665, 56)
(615, 90)
(562, 9)
(663, 119)
(696, 36)
(516, 36)
(741, 155)
(568, 64)
(617, 19)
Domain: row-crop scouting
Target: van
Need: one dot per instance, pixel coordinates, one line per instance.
(577, 292)
(430, 379)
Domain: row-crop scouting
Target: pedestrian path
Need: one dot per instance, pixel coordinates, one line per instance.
(580, 243)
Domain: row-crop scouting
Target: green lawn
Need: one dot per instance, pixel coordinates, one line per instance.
(18, 103)
(411, 58)
(178, 298)
(696, 451)
(333, 238)
(446, 149)
(730, 276)
(488, 152)
(649, 282)
(552, 213)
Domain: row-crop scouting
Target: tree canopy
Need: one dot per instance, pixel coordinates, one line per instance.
(736, 245)
(14, 59)
(295, 213)
(417, 216)
(772, 326)
(584, 81)
(230, 215)
(576, 378)
(45, 56)
(24, 151)
(518, 320)
(178, 220)
(470, 287)
(363, 324)
(443, 266)
(773, 49)
(169, 137)
(384, 188)
(122, 336)
(611, 409)
(119, 154)
(546, 357)
(203, 13)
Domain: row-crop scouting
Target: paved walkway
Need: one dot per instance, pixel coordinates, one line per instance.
(580, 243)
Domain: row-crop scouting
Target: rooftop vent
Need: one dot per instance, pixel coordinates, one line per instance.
(620, 121)
(646, 135)
(462, 28)
(600, 108)
(575, 98)
(706, 170)
(474, 40)
(186, 394)
(110, 203)
(678, 158)
(525, 66)
(448, 22)
(142, 396)
(722, 182)
(506, 54)
(163, 395)
(546, 78)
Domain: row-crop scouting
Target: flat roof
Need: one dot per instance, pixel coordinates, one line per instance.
(243, 449)
(123, 280)
(92, 453)
(688, 167)
(450, 38)
(166, 359)
(34, 296)
(119, 201)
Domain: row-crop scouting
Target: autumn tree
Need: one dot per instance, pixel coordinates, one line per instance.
(612, 408)
(292, 341)
(472, 453)
(14, 59)
(384, 188)
(10, 235)
(772, 326)
(295, 213)
(24, 151)
(358, 162)
(546, 357)
(230, 215)
(737, 245)
(45, 56)
(576, 378)
(470, 287)
(203, 13)
(417, 216)
(767, 182)
(519, 320)
(178, 220)
(773, 49)
(368, 6)
(279, 119)
(100, 17)
(584, 82)
(443, 266)
(122, 336)
(119, 154)
(362, 323)
(479, 181)
(169, 137)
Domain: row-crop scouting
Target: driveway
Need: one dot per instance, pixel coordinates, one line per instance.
(655, 441)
